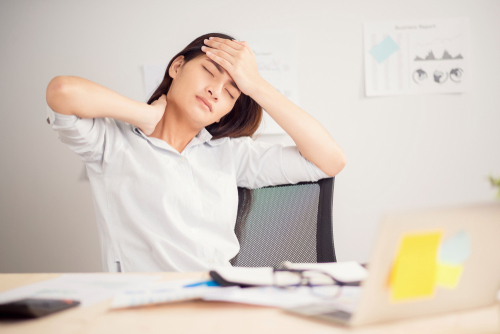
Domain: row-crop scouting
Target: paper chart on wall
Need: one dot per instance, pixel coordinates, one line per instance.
(153, 76)
(417, 57)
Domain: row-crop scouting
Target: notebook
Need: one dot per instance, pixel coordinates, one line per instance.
(349, 273)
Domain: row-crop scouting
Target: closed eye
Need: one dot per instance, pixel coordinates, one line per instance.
(207, 70)
(213, 75)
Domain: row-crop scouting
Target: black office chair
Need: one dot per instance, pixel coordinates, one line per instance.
(290, 222)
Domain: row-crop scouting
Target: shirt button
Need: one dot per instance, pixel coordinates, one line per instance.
(211, 260)
(182, 159)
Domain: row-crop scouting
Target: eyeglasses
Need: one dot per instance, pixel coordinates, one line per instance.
(321, 284)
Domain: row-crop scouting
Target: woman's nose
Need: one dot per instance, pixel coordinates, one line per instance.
(215, 91)
(213, 94)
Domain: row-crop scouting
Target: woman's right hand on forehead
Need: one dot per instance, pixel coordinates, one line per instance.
(154, 116)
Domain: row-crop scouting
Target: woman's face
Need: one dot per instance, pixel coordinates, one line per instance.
(200, 82)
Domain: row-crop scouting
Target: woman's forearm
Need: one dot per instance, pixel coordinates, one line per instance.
(71, 95)
(312, 139)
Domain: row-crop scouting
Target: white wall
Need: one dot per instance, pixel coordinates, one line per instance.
(403, 152)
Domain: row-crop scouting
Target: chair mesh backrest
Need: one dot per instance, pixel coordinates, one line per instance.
(287, 223)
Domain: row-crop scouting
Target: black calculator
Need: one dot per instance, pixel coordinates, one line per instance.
(34, 308)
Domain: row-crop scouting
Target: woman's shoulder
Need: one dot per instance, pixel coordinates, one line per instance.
(243, 144)
(230, 141)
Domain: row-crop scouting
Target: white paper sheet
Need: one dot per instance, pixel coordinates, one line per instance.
(270, 296)
(158, 292)
(264, 296)
(348, 271)
(417, 57)
(86, 288)
(276, 55)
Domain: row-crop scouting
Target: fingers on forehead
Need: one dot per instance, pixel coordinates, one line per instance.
(226, 41)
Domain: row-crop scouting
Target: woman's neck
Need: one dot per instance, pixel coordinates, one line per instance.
(174, 129)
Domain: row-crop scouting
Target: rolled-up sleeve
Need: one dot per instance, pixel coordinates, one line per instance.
(84, 136)
(260, 164)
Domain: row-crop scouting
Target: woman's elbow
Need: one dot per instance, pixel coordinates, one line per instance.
(337, 166)
(54, 89)
(55, 85)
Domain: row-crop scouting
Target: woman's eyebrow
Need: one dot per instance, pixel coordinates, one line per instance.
(221, 70)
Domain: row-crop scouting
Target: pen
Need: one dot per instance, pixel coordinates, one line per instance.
(203, 283)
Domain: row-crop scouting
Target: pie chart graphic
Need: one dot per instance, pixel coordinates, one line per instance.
(419, 75)
(456, 75)
(440, 77)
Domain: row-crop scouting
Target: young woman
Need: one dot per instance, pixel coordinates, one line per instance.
(164, 174)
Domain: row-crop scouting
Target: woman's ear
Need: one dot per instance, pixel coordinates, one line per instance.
(174, 68)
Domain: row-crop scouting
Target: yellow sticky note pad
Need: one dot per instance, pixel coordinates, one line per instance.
(414, 272)
(448, 276)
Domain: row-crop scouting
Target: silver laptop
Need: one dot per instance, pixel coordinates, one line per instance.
(402, 282)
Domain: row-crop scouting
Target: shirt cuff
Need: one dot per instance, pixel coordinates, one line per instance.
(60, 120)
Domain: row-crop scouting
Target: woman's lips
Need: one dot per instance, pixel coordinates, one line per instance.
(201, 101)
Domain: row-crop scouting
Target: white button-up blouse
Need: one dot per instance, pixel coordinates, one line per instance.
(161, 210)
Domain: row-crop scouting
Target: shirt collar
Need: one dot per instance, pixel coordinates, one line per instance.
(202, 137)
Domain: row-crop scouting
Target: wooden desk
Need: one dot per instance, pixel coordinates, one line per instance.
(220, 317)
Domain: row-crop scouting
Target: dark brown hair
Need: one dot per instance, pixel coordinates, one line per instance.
(242, 120)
